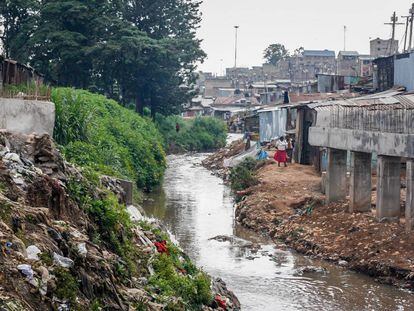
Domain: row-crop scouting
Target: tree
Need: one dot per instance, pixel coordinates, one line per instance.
(18, 20)
(174, 23)
(275, 53)
(139, 52)
(299, 51)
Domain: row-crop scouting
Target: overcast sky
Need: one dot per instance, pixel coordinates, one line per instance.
(313, 24)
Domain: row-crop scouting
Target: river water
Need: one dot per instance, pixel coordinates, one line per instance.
(197, 206)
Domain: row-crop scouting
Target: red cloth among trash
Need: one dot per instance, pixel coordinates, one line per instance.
(161, 247)
(281, 156)
(220, 302)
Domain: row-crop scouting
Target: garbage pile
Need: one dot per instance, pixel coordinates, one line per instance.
(51, 256)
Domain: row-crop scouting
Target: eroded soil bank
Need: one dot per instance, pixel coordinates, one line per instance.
(287, 205)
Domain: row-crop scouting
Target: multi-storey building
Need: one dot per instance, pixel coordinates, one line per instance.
(383, 48)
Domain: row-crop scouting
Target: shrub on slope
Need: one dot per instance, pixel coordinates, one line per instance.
(97, 132)
(199, 134)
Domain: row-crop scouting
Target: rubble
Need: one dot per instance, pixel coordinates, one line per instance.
(51, 256)
(215, 162)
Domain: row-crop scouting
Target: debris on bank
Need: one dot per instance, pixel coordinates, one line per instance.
(68, 241)
(287, 205)
(215, 162)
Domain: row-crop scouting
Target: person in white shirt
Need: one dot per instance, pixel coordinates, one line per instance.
(281, 154)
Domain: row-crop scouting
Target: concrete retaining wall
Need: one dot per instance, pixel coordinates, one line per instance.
(27, 116)
(389, 144)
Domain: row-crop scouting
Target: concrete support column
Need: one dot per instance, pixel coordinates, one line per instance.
(409, 207)
(360, 183)
(388, 187)
(336, 175)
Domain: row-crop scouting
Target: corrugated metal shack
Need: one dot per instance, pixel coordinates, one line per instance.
(384, 73)
(404, 70)
(304, 153)
(14, 73)
(388, 111)
(330, 83)
(272, 123)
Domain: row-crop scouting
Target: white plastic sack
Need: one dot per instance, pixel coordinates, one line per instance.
(134, 213)
(26, 270)
(237, 159)
(64, 262)
(32, 252)
(82, 249)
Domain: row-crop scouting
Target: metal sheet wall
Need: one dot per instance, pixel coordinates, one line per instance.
(272, 124)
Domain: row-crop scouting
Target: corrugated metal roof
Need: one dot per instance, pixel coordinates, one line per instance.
(319, 53)
(348, 53)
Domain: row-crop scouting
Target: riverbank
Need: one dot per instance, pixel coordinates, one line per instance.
(71, 241)
(287, 205)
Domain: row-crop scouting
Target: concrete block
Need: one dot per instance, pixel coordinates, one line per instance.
(360, 182)
(388, 187)
(336, 175)
(409, 204)
(27, 116)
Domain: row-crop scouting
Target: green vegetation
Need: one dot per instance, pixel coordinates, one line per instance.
(140, 53)
(98, 133)
(30, 89)
(66, 285)
(243, 175)
(200, 134)
(112, 222)
(175, 275)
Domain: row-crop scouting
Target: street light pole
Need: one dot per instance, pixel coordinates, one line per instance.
(411, 28)
(235, 47)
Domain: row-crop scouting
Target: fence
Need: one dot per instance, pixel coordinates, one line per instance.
(21, 81)
(378, 118)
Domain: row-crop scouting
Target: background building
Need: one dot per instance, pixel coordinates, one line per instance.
(383, 48)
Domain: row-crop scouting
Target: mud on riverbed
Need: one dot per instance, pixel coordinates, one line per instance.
(287, 205)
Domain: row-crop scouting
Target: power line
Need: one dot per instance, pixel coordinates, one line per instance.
(407, 22)
(394, 23)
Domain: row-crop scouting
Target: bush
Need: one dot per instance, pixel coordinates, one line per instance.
(199, 134)
(98, 133)
(193, 286)
(242, 176)
(66, 285)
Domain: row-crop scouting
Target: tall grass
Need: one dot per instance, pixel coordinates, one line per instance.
(99, 133)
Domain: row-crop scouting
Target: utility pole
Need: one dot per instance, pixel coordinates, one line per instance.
(344, 38)
(411, 28)
(394, 20)
(407, 22)
(235, 47)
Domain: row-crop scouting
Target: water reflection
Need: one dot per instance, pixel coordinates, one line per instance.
(196, 206)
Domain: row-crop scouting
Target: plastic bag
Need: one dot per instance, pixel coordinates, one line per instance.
(64, 262)
(32, 252)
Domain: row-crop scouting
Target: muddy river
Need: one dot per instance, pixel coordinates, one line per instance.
(196, 206)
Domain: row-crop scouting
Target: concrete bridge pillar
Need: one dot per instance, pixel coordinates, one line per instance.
(388, 187)
(336, 175)
(409, 207)
(360, 183)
